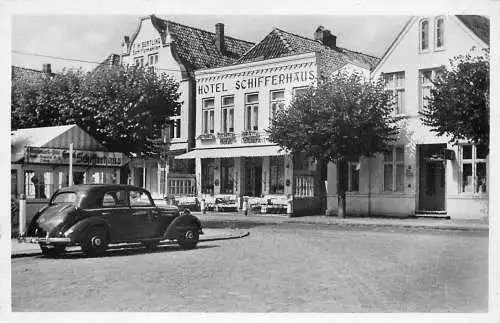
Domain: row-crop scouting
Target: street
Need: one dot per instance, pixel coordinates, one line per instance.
(277, 268)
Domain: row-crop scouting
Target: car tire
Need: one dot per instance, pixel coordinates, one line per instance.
(96, 241)
(189, 239)
(52, 250)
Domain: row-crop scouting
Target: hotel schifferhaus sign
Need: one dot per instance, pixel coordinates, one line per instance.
(41, 155)
(258, 81)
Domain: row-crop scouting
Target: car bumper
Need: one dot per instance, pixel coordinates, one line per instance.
(45, 240)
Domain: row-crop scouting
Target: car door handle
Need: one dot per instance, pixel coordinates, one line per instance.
(106, 213)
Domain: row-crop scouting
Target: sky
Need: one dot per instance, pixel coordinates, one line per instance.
(94, 37)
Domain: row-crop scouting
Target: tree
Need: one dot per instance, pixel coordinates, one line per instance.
(120, 106)
(341, 119)
(459, 102)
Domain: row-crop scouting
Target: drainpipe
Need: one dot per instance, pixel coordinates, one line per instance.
(369, 187)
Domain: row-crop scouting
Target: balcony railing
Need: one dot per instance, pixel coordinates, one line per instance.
(206, 136)
(226, 138)
(249, 136)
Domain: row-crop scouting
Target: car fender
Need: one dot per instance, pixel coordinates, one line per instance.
(184, 222)
(78, 230)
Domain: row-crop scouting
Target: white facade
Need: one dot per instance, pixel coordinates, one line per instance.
(416, 179)
(150, 49)
(247, 144)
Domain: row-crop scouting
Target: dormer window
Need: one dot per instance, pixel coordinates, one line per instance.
(424, 35)
(439, 33)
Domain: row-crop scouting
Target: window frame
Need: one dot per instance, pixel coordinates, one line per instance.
(298, 89)
(395, 88)
(421, 36)
(394, 162)
(139, 59)
(252, 120)
(151, 203)
(208, 125)
(226, 109)
(350, 178)
(275, 102)
(429, 85)
(443, 29)
(277, 179)
(474, 161)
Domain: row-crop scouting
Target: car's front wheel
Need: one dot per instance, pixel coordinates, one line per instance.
(189, 239)
(95, 242)
(52, 250)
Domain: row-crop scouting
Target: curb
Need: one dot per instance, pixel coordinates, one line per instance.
(279, 220)
(241, 234)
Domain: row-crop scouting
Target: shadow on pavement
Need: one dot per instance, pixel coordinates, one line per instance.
(118, 251)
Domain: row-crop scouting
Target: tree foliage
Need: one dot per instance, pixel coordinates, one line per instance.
(343, 117)
(120, 106)
(459, 102)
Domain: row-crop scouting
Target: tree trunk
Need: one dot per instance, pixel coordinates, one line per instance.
(341, 186)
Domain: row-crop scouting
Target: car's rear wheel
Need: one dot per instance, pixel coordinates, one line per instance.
(189, 239)
(51, 251)
(95, 242)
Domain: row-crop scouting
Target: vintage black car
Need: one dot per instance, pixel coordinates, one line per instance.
(95, 215)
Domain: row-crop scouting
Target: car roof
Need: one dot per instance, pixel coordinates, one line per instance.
(99, 187)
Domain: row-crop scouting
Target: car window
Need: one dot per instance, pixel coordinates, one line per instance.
(66, 197)
(115, 199)
(138, 198)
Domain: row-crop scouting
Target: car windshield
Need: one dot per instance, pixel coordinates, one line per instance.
(66, 197)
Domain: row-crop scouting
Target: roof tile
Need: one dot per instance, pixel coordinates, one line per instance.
(280, 43)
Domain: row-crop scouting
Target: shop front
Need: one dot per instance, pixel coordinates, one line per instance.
(40, 162)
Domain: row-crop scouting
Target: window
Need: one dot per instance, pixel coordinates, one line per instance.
(175, 128)
(277, 102)
(395, 84)
(252, 112)
(138, 198)
(299, 91)
(227, 114)
(277, 175)
(208, 116)
(474, 169)
(424, 35)
(425, 83)
(207, 176)
(439, 33)
(353, 184)
(115, 199)
(139, 61)
(226, 175)
(66, 197)
(153, 61)
(394, 169)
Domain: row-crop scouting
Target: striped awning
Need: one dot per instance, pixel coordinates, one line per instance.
(232, 152)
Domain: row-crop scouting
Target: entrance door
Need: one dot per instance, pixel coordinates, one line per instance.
(253, 178)
(432, 178)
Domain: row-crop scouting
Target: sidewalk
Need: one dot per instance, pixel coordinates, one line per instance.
(19, 249)
(410, 222)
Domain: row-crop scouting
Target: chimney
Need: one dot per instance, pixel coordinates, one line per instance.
(219, 37)
(46, 68)
(325, 37)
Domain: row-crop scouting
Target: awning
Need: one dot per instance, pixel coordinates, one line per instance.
(232, 152)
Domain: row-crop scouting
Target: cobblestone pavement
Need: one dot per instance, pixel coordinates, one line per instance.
(277, 268)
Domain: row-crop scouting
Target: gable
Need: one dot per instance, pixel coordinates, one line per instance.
(459, 40)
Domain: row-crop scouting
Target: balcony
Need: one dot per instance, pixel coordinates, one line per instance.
(249, 136)
(206, 136)
(226, 138)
